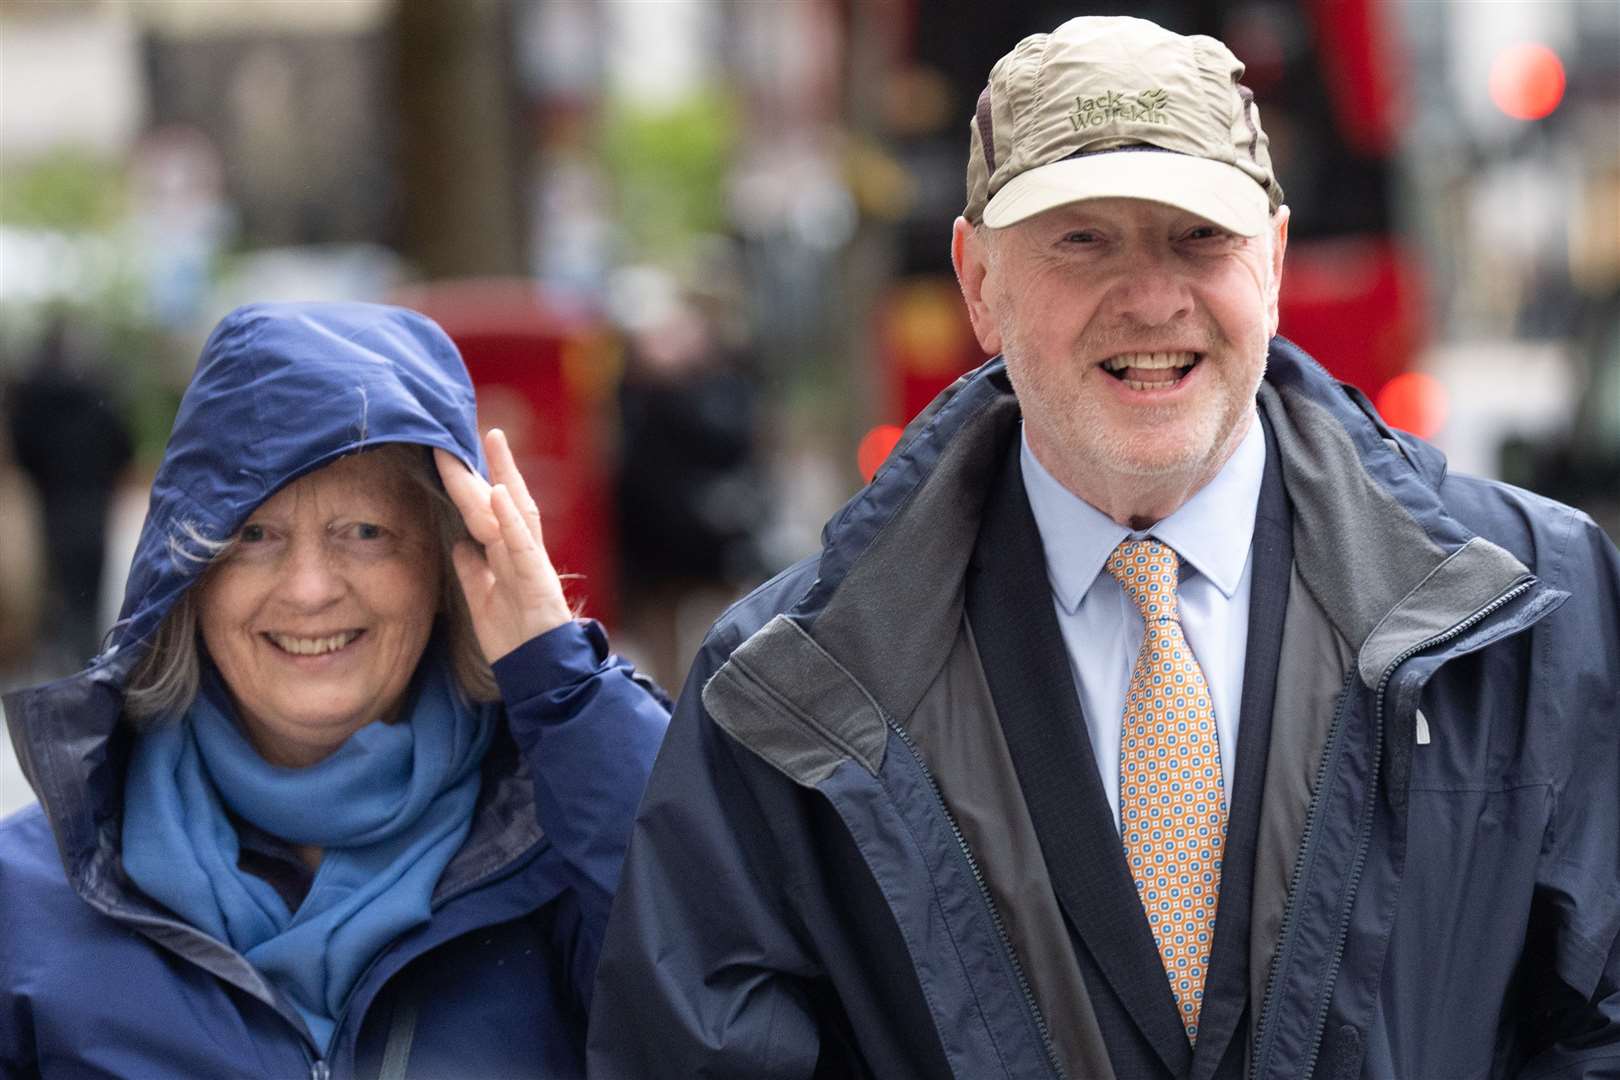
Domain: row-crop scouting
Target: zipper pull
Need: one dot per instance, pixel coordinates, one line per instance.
(320, 1071)
(1422, 729)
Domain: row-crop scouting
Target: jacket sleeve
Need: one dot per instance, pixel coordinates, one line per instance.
(1573, 1005)
(588, 727)
(704, 972)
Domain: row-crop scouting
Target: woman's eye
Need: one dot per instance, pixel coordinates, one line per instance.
(363, 537)
(250, 534)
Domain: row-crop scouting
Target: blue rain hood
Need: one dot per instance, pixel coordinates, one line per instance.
(280, 390)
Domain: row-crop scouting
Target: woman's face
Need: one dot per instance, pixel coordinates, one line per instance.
(318, 616)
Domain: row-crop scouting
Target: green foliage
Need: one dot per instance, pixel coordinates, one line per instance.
(66, 189)
(669, 165)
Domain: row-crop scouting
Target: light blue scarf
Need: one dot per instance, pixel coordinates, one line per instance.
(389, 808)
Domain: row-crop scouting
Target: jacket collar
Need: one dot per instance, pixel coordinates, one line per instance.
(1373, 543)
(1390, 566)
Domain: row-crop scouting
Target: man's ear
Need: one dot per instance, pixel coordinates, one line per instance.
(1279, 245)
(974, 277)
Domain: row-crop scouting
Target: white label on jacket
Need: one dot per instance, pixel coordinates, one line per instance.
(1422, 729)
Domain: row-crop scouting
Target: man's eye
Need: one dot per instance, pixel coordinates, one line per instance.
(1206, 232)
(1080, 236)
(250, 534)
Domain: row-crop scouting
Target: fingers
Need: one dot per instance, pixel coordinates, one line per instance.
(503, 470)
(518, 548)
(512, 590)
(470, 493)
(472, 570)
(520, 558)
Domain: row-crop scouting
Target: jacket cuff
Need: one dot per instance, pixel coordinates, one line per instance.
(557, 659)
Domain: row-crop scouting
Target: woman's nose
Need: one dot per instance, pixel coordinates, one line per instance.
(310, 577)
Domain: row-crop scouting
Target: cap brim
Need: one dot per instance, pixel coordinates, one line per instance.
(1213, 190)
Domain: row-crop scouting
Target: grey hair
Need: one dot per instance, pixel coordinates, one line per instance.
(165, 681)
(190, 546)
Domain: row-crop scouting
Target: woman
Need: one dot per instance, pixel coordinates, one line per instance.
(348, 791)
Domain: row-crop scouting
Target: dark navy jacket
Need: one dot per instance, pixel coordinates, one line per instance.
(1435, 887)
(98, 981)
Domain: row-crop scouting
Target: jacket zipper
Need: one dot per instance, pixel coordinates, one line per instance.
(1319, 1021)
(984, 894)
(1328, 753)
(1365, 838)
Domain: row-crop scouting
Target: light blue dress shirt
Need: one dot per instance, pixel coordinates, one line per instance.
(1102, 628)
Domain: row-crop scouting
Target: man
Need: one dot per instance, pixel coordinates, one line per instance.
(1157, 711)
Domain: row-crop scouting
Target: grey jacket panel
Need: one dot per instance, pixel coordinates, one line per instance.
(957, 733)
(1466, 581)
(884, 635)
(1311, 673)
(1359, 550)
(829, 718)
(1378, 574)
(893, 619)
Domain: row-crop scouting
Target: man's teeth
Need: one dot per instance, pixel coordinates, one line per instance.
(1150, 360)
(1167, 366)
(313, 646)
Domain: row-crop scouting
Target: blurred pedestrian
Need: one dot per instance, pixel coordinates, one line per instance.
(1157, 711)
(72, 441)
(691, 497)
(348, 791)
(22, 563)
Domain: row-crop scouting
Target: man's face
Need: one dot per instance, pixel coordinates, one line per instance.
(1135, 335)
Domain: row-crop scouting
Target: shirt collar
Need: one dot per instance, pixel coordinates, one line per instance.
(1211, 531)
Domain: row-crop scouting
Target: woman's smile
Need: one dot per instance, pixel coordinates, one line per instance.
(317, 645)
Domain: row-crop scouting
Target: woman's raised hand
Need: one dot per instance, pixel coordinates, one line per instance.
(512, 589)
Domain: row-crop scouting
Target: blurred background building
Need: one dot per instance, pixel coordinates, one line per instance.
(696, 252)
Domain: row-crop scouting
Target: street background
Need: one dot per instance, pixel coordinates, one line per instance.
(696, 252)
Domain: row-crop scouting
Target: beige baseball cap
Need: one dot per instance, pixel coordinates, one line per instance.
(1116, 107)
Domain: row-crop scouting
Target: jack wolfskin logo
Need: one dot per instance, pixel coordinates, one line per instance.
(1146, 106)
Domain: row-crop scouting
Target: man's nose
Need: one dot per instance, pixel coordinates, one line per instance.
(1152, 292)
(310, 576)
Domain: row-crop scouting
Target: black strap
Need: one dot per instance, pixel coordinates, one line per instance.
(401, 1032)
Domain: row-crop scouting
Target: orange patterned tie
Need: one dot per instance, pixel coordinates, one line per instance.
(1171, 808)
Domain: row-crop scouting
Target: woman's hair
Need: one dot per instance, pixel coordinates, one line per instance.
(165, 681)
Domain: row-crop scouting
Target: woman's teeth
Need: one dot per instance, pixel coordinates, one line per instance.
(1151, 370)
(300, 646)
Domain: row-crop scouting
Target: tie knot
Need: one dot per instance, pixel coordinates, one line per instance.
(1147, 571)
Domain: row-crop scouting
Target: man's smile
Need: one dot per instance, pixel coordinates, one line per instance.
(1151, 370)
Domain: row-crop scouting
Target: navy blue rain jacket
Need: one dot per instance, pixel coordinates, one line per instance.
(799, 899)
(98, 981)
